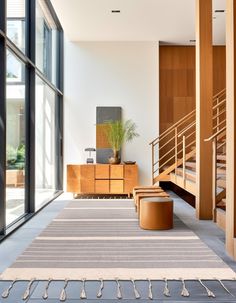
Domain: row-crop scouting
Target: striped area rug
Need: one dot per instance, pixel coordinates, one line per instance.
(98, 238)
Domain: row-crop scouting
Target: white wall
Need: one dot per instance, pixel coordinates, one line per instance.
(111, 74)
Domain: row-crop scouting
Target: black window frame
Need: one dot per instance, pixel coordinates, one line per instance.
(28, 58)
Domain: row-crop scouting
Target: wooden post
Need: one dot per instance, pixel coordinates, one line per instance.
(176, 151)
(204, 103)
(184, 161)
(153, 164)
(231, 127)
(214, 176)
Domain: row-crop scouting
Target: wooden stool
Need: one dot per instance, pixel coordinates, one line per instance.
(144, 191)
(156, 213)
(144, 188)
(140, 196)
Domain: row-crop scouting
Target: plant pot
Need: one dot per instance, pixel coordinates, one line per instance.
(115, 159)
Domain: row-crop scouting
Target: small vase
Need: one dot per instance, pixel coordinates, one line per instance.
(115, 159)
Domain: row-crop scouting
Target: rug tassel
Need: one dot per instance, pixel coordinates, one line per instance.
(150, 295)
(45, 295)
(184, 292)
(136, 293)
(166, 291)
(63, 292)
(27, 291)
(210, 294)
(99, 294)
(83, 291)
(6, 292)
(119, 294)
(225, 288)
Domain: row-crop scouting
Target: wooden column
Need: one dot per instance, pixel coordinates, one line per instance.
(204, 96)
(231, 127)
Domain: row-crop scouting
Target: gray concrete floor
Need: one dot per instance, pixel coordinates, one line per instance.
(206, 230)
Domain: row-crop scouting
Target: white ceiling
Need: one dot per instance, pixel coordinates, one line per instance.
(170, 21)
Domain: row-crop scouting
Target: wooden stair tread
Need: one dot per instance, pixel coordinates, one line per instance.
(221, 157)
(221, 183)
(190, 175)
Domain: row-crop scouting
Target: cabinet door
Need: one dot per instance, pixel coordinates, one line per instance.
(102, 186)
(116, 171)
(80, 178)
(87, 171)
(131, 177)
(73, 173)
(102, 171)
(116, 186)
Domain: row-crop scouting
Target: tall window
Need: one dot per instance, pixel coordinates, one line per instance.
(15, 138)
(30, 105)
(16, 22)
(46, 41)
(45, 138)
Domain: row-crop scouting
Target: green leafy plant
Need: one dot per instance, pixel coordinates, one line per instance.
(21, 152)
(11, 154)
(119, 132)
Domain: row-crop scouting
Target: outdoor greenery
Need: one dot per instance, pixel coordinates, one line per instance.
(16, 157)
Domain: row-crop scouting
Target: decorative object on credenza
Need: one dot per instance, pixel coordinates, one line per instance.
(129, 162)
(104, 114)
(90, 150)
(119, 132)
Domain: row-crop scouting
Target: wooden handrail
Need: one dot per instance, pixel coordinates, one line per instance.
(172, 127)
(219, 104)
(216, 134)
(174, 140)
(219, 114)
(162, 157)
(219, 94)
(186, 129)
(224, 121)
(171, 139)
(180, 151)
(221, 145)
(170, 150)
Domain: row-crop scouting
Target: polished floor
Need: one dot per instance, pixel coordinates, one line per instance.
(12, 247)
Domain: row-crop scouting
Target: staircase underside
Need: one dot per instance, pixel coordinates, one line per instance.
(175, 174)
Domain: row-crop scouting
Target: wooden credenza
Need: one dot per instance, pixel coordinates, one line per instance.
(101, 178)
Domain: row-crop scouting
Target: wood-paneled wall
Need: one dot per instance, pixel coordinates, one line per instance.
(177, 81)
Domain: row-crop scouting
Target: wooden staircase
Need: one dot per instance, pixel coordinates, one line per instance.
(174, 155)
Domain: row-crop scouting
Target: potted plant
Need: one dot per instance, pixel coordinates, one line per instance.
(117, 133)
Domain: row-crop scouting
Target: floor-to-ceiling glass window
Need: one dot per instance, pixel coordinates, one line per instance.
(45, 143)
(16, 22)
(15, 138)
(31, 42)
(46, 41)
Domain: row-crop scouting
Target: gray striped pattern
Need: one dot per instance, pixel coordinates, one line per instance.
(106, 235)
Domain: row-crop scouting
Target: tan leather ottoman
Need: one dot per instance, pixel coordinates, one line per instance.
(156, 213)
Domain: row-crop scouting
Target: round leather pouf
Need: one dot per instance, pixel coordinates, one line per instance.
(156, 213)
